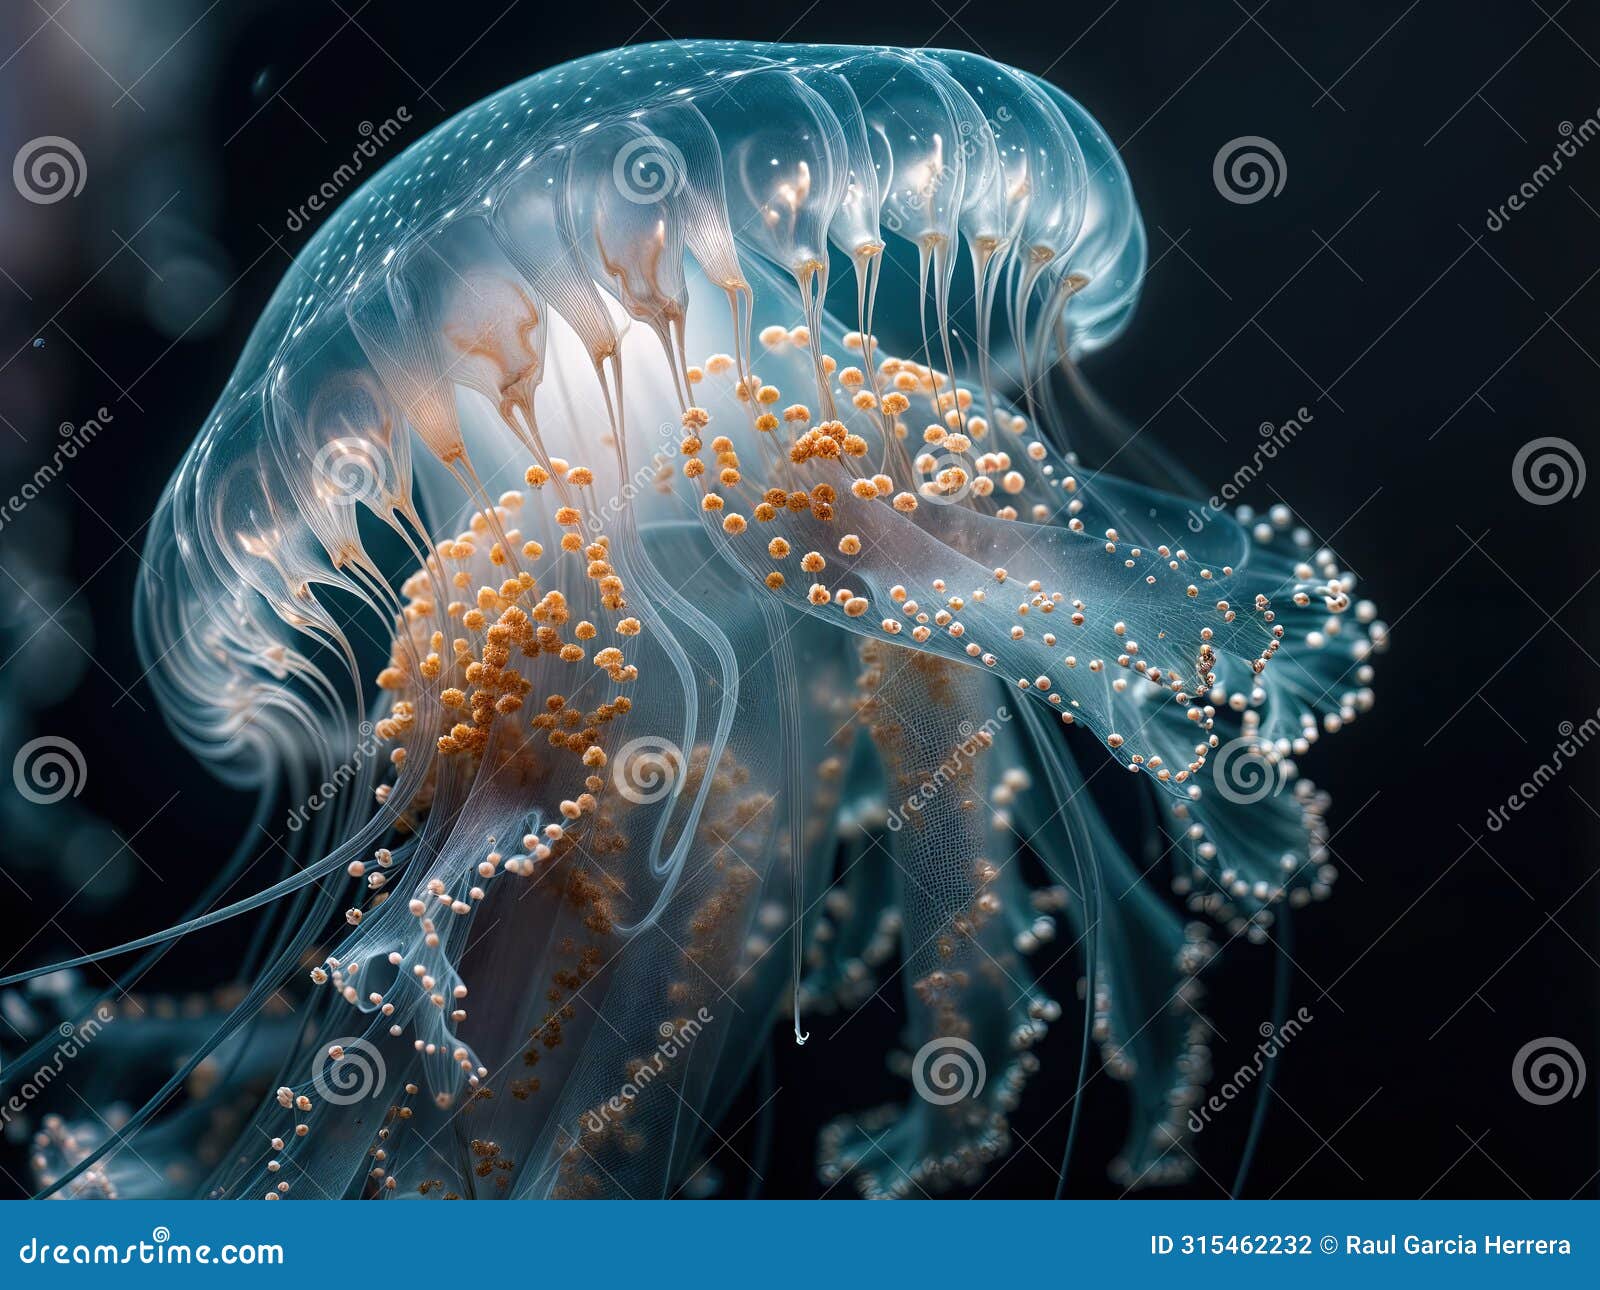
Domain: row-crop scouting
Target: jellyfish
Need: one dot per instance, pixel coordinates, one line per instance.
(645, 556)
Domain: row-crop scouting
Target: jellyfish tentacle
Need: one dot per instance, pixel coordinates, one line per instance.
(973, 1010)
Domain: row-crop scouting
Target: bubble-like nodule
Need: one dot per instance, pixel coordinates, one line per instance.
(643, 655)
